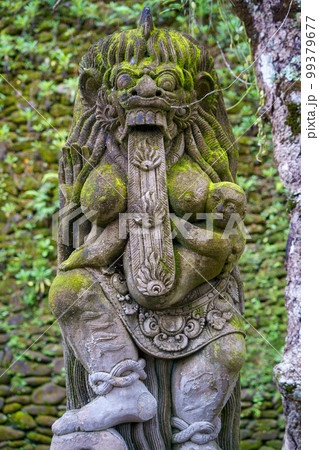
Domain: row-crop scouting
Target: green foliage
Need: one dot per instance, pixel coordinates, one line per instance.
(41, 200)
(31, 266)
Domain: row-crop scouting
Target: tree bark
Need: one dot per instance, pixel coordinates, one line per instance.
(278, 74)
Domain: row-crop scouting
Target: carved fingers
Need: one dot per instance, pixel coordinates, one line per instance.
(72, 162)
(75, 162)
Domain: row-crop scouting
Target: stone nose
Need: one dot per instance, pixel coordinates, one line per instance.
(146, 87)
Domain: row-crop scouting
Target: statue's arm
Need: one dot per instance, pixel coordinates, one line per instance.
(200, 240)
(99, 250)
(211, 243)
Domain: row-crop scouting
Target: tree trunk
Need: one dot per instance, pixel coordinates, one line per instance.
(278, 74)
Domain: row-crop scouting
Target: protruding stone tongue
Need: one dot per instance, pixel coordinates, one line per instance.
(150, 241)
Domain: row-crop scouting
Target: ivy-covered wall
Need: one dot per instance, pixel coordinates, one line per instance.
(40, 51)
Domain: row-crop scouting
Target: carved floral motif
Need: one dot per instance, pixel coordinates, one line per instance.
(171, 331)
(152, 277)
(148, 212)
(146, 157)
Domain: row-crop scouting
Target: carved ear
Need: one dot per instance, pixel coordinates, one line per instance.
(203, 84)
(89, 83)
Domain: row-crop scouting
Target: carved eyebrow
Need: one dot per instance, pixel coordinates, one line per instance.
(122, 68)
(176, 71)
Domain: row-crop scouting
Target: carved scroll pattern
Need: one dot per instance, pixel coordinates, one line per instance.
(151, 247)
(172, 330)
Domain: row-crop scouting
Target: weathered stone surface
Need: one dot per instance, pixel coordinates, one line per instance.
(266, 448)
(3, 418)
(37, 381)
(61, 380)
(265, 424)
(4, 377)
(4, 390)
(11, 408)
(98, 440)
(37, 356)
(23, 420)
(23, 399)
(16, 319)
(46, 421)
(20, 390)
(49, 394)
(7, 357)
(53, 350)
(250, 444)
(245, 170)
(20, 444)
(153, 157)
(30, 368)
(106, 411)
(58, 365)
(8, 433)
(44, 430)
(1, 356)
(244, 434)
(38, 438)
(3, 338)
(275, 444)
(39, 410)
(265, 435)
(269, 414)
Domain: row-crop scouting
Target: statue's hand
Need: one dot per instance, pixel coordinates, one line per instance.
(76, 259)
(238, 246)
(99, 250)
(206, 242)
(213, 243)
(75, 165)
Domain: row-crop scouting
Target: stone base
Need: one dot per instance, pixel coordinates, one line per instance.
(93, 440)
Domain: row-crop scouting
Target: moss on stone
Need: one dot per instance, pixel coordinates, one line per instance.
(68, 285)
(11, 408)
(8, 433)
(23, 420)
(38, 438)
(294, 118)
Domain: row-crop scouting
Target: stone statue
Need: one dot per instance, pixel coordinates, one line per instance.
(148, 294)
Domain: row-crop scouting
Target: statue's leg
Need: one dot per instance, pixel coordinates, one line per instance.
(201, 385)
(102, 344)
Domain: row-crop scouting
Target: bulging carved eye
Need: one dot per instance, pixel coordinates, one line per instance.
(167, 81)
(124, 81)
(91, 86)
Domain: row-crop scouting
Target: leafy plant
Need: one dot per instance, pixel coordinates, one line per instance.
(41, 200)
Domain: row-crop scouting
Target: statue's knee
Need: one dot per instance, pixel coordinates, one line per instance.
(67, 289)
(230, 351)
